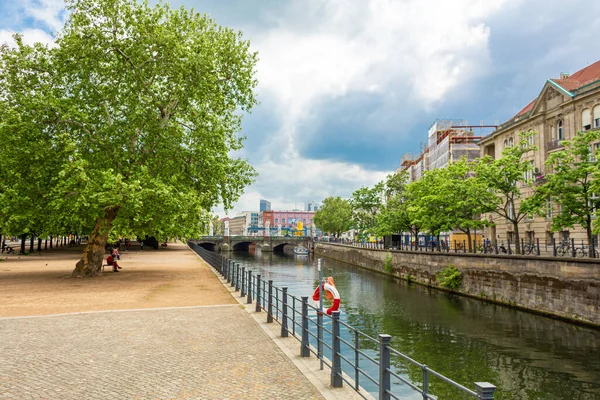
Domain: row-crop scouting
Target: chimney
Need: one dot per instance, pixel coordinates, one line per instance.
(564, 75)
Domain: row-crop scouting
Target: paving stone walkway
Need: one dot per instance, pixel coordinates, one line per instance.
(210, 352)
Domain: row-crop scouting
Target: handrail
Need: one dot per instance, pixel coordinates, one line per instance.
(267, 298)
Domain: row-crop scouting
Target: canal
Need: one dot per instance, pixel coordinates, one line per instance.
(526, 356)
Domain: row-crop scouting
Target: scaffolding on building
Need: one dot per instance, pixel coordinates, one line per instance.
(448, 141)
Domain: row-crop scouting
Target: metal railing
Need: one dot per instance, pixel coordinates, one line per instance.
(308, 324)
(567, 248)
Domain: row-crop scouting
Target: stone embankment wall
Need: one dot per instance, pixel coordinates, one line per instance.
(559, 287)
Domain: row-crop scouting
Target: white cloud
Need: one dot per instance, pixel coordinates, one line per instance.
(30, 36)
(50, 12)
(416, 49)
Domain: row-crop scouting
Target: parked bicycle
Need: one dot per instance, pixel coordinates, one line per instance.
(529, 248)
(584, 251)
(563, 248)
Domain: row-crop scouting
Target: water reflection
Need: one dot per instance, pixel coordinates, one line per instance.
(527, 356)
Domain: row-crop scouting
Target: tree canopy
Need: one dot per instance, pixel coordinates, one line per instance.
(127, 124)
(334, 216)
(573, 183)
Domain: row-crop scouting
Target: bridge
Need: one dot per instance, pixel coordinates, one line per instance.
(265, 243)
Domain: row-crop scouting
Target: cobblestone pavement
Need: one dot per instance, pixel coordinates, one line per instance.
(213, 352)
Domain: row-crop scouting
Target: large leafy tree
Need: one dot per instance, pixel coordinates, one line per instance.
(140, 108)
(453, 198)
(394, 216)
(366, 203)
(516, 195)
(334, 215)
(572, 182)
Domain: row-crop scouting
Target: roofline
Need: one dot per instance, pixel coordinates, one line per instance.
(556, 85)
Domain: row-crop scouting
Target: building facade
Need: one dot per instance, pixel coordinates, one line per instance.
(288, 220)
(237, 225)
(564, 106)
(265, 205)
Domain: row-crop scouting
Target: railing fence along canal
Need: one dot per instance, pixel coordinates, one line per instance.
(294, 315)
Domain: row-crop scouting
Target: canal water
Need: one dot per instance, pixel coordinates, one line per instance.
(526, 356)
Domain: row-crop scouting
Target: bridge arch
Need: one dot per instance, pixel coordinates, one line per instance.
(245, 245)
(279, 247)
(208, 246)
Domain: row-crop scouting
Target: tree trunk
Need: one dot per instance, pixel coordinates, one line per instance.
(93, 254)
(31, 243)
(46, 244)
(469, 241)
(39, 246)
(23, 237)
(517, 238)
(50, 241)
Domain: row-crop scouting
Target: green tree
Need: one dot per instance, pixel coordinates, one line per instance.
(334, 216)
(142, 105)
(510, 179)
(366, 204)
(394, 216)
(572, 183)
(453, 198)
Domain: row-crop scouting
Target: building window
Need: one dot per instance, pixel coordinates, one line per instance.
(597, 116)
(511, 142)
(510, 212)
(528, 175)
(549, 209)
(560, 135)
(505, 143)
(283, 220)
(593, 204)
(586, 120)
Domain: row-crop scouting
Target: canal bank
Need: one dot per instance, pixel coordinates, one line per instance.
(560, 288)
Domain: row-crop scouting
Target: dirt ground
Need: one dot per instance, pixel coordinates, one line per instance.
(41, 284)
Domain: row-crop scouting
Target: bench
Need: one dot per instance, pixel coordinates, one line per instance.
(8, 249)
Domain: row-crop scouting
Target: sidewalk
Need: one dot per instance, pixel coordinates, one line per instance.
(191, 348)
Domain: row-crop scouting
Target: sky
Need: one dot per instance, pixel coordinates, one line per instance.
(347, 87)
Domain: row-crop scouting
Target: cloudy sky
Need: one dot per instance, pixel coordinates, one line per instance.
(347, 87)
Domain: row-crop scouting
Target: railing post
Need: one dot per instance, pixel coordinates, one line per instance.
(237, 277)
(249, 300)
(553, 247)
(304, 349)
(537, 245)
(228, 273)
(284, 315)
(384, 365)
(485, 390)
(425, 382)
(258, 308)
(270, 303)
(242, 290)
(356, 360)
(522, 247)
(336, 360)
(573, 247)
(233, 269)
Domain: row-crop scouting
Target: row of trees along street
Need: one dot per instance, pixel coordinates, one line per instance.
(459, 196)
(125, 126)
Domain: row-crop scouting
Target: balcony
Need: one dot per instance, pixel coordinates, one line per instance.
(554, 144)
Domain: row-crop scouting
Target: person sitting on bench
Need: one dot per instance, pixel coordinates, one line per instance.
(113, 262)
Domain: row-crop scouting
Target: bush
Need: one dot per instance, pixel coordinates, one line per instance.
(387, 264)
(449, 277)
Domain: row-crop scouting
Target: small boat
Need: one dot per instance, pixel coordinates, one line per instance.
(301, 250)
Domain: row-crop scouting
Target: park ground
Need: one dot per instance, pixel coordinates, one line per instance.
(41, 283)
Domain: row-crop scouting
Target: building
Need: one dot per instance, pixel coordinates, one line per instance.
(448, 140)
(265, 205)
(564, 106)
(288, 221)
(312, 206)
(237, 225)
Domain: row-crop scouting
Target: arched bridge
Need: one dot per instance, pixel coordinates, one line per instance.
(265, 243)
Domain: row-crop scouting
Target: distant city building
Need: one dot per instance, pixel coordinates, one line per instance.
(236, 225)
(448, 141)
(289, 221)
(265, 205)
(312, 206)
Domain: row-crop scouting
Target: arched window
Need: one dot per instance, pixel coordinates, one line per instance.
(505, 143)
(586, 120)
(560, 134)
(597, 116)
(511, 142)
